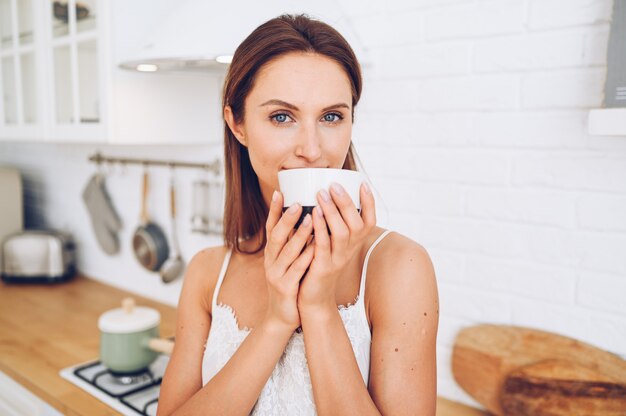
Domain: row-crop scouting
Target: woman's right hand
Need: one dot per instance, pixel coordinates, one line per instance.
(285, 261)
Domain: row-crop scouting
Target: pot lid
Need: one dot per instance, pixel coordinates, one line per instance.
(129, 318)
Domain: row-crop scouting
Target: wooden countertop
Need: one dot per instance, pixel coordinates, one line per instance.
(45, 328)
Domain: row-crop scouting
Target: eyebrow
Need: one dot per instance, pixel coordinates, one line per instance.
(293, 107)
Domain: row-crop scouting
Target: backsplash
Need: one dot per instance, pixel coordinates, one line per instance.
(473, 129)
(55, 175)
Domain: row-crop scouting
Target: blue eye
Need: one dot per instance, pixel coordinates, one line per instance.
(332, 117)
(280, 118)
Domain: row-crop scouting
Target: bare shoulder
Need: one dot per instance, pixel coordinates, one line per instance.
(202, 273)
(401, 274)
(404, 318)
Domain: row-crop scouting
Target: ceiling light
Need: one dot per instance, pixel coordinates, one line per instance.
(224, 59)
(147, 67)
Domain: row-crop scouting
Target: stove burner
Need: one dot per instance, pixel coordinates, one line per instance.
(125, 380)
(131, 394)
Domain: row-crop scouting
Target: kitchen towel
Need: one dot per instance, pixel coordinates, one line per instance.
(104, 219)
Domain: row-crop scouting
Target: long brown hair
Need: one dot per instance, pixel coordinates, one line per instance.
(245, 211)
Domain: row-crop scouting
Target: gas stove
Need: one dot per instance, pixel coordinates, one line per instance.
(130, 395)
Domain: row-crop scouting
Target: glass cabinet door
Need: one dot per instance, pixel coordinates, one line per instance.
(25, 22)
(17, 63)
(88, 82)
(63, 94)
(75, 57)
(6, 25)
(7, 67)
(9, 94)
(86, 16)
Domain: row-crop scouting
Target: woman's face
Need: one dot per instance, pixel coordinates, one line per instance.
(297, 115)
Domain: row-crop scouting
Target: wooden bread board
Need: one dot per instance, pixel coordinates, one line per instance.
(561, 388)
(484, 355)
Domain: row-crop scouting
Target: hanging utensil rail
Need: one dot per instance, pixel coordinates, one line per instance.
(214, 166)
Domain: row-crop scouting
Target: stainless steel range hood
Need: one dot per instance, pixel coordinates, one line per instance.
(202, 35)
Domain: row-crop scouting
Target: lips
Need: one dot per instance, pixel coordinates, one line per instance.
(307, 167)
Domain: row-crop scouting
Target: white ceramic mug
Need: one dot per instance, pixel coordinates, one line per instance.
(302, 185)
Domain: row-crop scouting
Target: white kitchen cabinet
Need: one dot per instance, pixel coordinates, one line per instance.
(20, 113)
(75, 48)
(15, 400)
(60, 82)
(52, 53)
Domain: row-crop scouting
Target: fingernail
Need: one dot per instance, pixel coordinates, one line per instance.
(307, 220)
(337, 188)
(367, 188)
(292, 209)
(275, 196)
(325, 195)
(318, 211)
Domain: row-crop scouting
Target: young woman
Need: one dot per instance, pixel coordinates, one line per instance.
(278, 322)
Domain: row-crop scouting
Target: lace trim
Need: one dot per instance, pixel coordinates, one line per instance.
(233, 315)
(349, 305)
(288, 391)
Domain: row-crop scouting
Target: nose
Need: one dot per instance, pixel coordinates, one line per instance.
(309, 143)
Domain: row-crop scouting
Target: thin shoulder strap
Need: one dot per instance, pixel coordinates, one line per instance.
(367, 258)
(220, 279)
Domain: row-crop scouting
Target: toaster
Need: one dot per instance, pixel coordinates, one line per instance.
(38, 256)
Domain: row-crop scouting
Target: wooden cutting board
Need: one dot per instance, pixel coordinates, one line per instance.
(561, 388)
(484, 355)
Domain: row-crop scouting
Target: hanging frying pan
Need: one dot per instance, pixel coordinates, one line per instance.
(149, 242)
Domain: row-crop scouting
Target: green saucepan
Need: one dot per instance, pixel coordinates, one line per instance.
(129, 338)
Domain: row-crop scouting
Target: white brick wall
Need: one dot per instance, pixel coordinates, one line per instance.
(484, 18)
(425, 60)
(475, 236)
(477, 305)
(538, 207)
(539, 130)
(601, 171)
(596, 42)
(449, 266)
(399, 28)
(550, 14)
(603, 292)
(438, 165)
(530, 280)
(473, 129)
(486, 93)
(565, 89)
(601, 212)
(412, 129)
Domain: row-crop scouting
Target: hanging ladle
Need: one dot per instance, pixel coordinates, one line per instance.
(174, 266)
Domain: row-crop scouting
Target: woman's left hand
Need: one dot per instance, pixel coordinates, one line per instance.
(348, 230)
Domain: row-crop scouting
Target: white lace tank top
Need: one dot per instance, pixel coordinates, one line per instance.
(288, 391)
